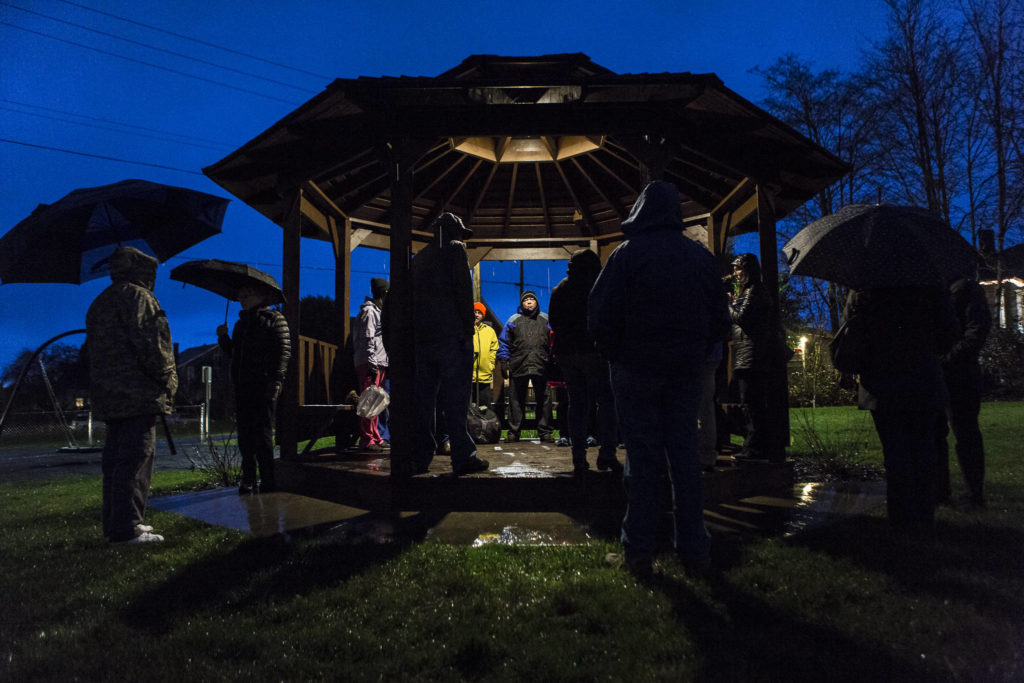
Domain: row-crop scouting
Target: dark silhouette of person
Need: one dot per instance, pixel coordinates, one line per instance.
(655, 312)
(963, 382)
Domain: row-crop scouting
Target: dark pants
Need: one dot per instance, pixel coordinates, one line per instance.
(127, 470)
(482, 394)
(658, 419)
(908, 447)
(517, 390)
(752, 386)
(588, 384)
(962, 415)
(254, 417)
(446, 366)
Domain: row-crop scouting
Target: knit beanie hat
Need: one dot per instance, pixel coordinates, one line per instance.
(379, 287)
(527, 295)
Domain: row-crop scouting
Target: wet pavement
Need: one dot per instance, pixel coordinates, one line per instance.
(811, 506)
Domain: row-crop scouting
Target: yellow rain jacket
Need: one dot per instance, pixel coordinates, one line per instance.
(485, 348)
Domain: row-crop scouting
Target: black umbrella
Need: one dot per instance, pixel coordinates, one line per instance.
(228, 279)
(881, 245)
(72, 239)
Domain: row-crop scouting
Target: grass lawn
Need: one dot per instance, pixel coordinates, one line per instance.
(849, 601)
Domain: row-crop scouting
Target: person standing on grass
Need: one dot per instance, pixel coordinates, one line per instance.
(909, 329)
(443, 346)
(132, 380)
(655, 312)
(524, 348)
(585, 371)
(260, 347)
(370, 359)
(963, 382)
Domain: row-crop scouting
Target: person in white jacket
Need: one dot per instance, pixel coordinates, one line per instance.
(370, 358)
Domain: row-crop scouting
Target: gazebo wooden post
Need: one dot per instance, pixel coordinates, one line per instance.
(288, 403)
(778, 383)
(400, 156)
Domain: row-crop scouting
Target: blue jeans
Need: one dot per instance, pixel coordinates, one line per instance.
(658, 420)
(587, 382)
(445, 366)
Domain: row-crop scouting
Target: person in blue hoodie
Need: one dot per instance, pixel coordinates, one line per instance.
(524, 349)
(655, 311)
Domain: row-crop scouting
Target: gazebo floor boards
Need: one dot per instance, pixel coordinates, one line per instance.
(524, 477)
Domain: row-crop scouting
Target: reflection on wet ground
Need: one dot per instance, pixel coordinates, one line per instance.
(811, 506)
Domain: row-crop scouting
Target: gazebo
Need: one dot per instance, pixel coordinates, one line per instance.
(540, 156)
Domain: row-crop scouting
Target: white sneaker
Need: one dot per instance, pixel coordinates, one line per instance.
(145, 537)
(144, 528)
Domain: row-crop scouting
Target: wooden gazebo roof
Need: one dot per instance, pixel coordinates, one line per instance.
(530, 151)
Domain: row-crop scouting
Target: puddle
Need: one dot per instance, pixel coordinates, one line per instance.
(520, 469)
(816, 503)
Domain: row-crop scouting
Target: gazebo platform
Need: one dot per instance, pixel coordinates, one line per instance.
(524, 477)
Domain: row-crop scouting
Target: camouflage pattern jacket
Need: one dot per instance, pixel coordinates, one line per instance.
(131, 357)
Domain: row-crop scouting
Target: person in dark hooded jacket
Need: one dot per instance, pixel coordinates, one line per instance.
(260, 346)
(132, 381)
(655, 311)
(751, 316)
(443, 347)
(524, 347)
(585, 371)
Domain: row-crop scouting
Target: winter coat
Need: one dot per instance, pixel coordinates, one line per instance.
(367, 338)
(567, 313)
(525, 343)
(442, 287)
(485, 350)
(658, 304)
(260, 346)
(751, 318)
(909, 329)
(131, 356)
(960, 365)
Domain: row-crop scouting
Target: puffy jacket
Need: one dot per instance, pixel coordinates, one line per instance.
(367, 338)
(485, 349)
(751, 315)
(910, 328)
(442, 285)
(567, 313)
(658, 304)
(131, 356)
(525, 343)
(260, 346)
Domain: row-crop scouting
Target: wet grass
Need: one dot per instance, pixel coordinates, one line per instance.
(849, 601)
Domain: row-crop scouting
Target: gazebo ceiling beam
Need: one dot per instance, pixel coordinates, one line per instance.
(543, 199)
(625, 185)
(616, 206)
(438, 178)
(511, 200)
(440, 207)
(588, 218)
(480, 197)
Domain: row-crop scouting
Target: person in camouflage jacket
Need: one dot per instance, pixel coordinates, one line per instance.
(132, 381)
(260, 347)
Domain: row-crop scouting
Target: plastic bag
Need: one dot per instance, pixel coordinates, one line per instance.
(372, 401)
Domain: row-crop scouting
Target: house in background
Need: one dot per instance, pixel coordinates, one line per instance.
(192, 392)
(1006, 301)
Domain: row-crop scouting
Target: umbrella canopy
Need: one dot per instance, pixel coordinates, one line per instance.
(72, 239)
(227, 278)
(881, 245)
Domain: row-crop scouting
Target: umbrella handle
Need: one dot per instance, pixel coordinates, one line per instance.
(227, 307)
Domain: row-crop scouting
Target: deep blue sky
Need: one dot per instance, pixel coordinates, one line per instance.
(77, 107)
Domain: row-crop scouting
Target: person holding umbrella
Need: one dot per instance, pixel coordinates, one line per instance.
(132, 380)
(260, 347)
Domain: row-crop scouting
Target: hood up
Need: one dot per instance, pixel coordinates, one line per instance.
(657, 208)
(128, 264)
(584, 266)
(448, 228)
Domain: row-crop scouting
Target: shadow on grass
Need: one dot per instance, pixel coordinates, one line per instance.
(259, 570)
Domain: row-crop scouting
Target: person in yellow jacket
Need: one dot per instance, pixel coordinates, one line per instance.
(485, 348)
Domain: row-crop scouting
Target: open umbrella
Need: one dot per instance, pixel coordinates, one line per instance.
(227, 278)
(72, 239)
(881, 245)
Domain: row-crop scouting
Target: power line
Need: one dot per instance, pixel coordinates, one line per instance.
(116, 123)
(160, 49)
(155, 66)
(114, 130)
(196, 40)
(99, 156)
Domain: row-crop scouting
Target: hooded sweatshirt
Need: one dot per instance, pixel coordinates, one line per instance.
(131, 356)
(367, 338)
(442, 285)
(658, 304)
